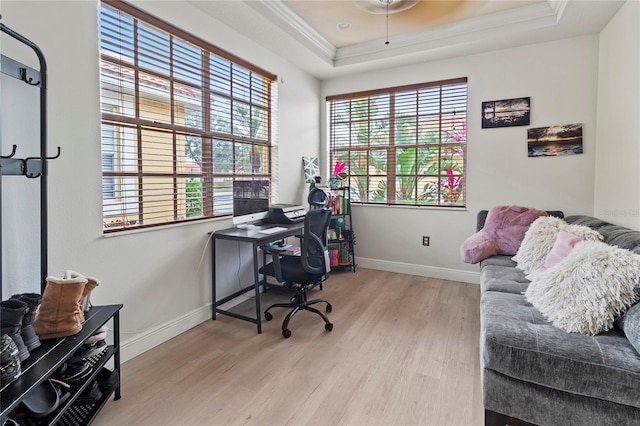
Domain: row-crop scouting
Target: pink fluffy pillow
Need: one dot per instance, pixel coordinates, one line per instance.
(564, 244)
(508, 224)
(503, 232)
(477, 247)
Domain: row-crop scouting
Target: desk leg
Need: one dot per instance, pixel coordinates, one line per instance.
(256, 283)
(116, 356)
(264, 278)
(213, 278)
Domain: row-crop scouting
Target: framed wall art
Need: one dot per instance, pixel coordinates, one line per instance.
(506, 113)
(555, 141)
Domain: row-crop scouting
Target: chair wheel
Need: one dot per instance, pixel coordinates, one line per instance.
(329, 307)
(286, 333)
(328, 327)
(268, 316)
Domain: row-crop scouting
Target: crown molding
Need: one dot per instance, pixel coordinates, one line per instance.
(534, 16)
(280, 14)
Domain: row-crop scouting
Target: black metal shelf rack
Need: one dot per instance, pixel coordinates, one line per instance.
(342, 237)
(50, 356)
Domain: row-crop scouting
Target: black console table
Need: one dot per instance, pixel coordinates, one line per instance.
(52, 353)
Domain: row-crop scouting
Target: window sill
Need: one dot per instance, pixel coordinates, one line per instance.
(402, 206)
(165, 227)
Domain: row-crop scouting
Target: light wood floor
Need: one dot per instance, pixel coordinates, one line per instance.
(403, 351)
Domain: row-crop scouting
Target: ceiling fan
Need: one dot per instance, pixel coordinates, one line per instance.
(381, 7)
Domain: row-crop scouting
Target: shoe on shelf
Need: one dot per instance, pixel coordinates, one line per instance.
(42, 400)
(11, 313)
(75, 371)
(108, 380)
(90, 395)
(99, 334)
(10, 368)
(60, 312)
(85, 298)
(27, 331)
(87, 350)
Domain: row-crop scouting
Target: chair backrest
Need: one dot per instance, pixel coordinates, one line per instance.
(314, 240)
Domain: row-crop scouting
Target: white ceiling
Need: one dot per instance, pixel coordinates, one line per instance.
(305, 31)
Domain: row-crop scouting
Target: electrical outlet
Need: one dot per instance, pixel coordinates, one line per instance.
(425, 240)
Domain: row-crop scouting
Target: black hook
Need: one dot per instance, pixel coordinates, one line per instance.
(37, 175)
(13, 152)
(29, 80)
(54, 157)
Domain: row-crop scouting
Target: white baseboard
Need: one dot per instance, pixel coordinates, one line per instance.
(420, 270)
(148, 339)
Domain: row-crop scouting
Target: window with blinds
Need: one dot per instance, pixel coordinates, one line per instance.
(181, 120)
(402, 145)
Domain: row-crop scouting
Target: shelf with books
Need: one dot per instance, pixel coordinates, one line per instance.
(341, 236)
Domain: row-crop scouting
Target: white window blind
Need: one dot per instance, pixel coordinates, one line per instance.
(181, 120)
(402, 145)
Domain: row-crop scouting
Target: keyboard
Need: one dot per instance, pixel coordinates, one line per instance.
(272, 230)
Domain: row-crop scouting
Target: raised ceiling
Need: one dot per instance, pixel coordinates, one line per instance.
(347, 23)
(328, 38)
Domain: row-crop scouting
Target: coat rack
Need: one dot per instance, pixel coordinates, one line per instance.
(30, 167)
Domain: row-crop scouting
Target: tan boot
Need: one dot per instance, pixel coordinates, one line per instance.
(60, 314)
(85, 299)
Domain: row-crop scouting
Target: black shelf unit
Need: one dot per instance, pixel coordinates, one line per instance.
(50, 356)
(342, 238)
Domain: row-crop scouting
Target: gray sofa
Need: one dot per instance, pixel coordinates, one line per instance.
(535, 373)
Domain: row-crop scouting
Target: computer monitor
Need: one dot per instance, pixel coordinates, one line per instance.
(250, 201)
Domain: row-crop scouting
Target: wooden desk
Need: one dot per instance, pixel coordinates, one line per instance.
(257, 239)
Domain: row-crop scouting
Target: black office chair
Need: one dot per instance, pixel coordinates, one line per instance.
(308, 269)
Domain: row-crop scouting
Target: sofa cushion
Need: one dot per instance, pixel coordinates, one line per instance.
(518, 342)
(505, 278)
(614, 235)
(630, 324)
(499, 260)
(545, 406)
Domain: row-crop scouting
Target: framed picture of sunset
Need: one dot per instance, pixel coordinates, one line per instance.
(555, 141)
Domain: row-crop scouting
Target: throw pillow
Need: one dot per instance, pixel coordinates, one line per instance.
(587, 290)
(478, 247)
(540, 237)
(630, 324)
(564, 244)
(503, 232)
(508, 224)
(538, 242)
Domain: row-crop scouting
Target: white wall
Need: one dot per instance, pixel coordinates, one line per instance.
(156, 274)
(561, 79)
(617, 191)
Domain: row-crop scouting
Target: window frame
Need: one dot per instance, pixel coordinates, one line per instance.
(256, 96)
(354, 138)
